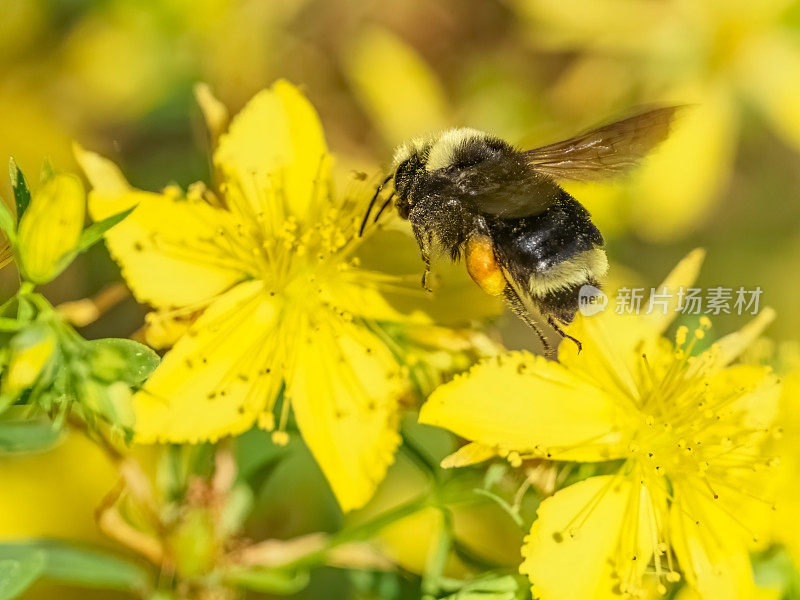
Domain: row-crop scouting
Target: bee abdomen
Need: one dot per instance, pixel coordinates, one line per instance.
(550, 256)
(582, 268)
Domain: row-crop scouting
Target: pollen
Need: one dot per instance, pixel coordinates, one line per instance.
(280, 438)
(483, 267)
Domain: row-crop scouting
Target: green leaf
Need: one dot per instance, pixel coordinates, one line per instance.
(117, 359)
(48, 172)
(7, 222)
(9, 324)
(27, 436)
(65, 563)
(95, 232)
(17, 574)
(22, 194)
(270, 581)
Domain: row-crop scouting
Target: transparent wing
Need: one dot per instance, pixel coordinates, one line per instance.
(606, 152)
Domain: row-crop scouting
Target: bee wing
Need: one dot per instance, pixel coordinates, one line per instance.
(495, 192)
(606, 152)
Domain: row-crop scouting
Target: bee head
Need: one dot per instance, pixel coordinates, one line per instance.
(409, 167)
(419, 159)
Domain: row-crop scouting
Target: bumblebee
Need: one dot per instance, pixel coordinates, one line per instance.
(467, 193)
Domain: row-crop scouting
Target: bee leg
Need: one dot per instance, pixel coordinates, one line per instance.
(425, 243)
(563, 334)
(519, 309)
(426, 274)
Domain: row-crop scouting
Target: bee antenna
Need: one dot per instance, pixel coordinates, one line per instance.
(372, 203)
(383, 207)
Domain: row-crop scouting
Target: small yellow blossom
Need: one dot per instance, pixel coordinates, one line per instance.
(51, 227)
(265, 269)
(685, 433)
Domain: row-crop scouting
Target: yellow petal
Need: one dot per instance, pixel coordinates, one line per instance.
(787, 525)
(689, 593)
(682, 276)
(763, 67)
(609, 343)
(358, 296)
(711, 554)
(757, 390)
(219, 377)
(109, 186)
(214, 112)
(679, 183)
(613, 343)
(574, 544)
(344, 394)
(728, 348)
(469, 454)
(398, 89)
(162, 330)
(167, 246)
(51, 227)
(275, 155)
(525, 403)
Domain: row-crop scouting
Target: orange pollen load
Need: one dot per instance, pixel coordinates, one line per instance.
(483, 267)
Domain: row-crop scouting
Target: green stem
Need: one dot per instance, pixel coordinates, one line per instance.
(369, 528)
(419, 457)
(437, 560)
(363, 531)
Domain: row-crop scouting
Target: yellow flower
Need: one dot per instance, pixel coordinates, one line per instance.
(685, 432)
(720, 56)
(268, 265)
(51, 227)
(786, 526)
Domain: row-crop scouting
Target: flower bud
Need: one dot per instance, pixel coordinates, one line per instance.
(111, 402)
(31, 350)
(193, 543)
(51, 227)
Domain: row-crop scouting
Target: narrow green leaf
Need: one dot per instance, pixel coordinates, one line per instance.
(271, 581)
(65, 563)
(117, 359)
(7, 222)
(17, 574)
(27, 436)
(95, 232)
(512, 512)
(22, 194)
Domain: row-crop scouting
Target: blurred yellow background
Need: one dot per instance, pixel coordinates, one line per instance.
(117, 76)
